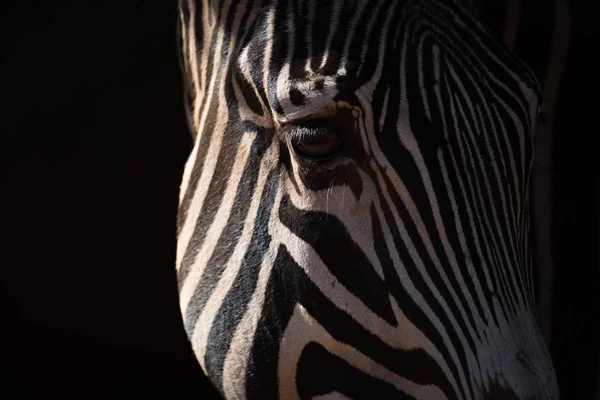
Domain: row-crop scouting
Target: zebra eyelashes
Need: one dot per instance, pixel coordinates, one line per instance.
(314, 140)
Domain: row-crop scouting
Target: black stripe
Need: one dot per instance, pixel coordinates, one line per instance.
(320, 30)
(320, 373)
(214, 197)
(248, 93)
(342, 256)
(408, 304)
(214, 60)
(236, 301)
(415, 276)
(431, 139)
(184, 68)
(229, 237)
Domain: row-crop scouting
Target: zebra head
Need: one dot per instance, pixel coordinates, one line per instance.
(354, 213)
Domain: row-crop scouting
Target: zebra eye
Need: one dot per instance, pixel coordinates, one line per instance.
(315, 143)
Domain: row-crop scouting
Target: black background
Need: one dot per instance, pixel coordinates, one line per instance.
(97, 140)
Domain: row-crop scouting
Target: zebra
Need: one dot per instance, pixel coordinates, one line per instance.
(354, 214)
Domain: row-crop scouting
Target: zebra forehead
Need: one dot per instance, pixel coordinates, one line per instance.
(312, 96)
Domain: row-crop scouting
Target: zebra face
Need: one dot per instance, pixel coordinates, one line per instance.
(354, 214)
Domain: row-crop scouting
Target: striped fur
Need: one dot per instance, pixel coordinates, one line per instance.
(400, 267)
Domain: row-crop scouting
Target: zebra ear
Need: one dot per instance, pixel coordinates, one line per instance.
(499, 17)
(491, 14)
(544, 49)
(503, 19)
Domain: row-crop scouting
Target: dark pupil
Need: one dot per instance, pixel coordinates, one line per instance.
(319, 144)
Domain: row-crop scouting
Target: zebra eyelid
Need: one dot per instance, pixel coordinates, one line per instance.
(323, 111)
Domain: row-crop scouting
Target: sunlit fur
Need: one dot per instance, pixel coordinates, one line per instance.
(400, 267)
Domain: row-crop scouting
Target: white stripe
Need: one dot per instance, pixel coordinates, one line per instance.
(206, 318)
(236, 360)
(217, 227)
